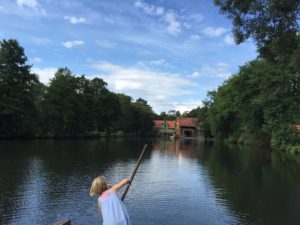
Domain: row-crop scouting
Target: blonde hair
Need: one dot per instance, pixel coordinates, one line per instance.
(99, 185)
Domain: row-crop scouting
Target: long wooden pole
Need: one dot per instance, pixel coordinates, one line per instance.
(134, 172)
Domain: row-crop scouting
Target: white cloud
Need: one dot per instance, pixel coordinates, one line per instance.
(196, 17)
(158, 62)
(220, 70)
(32, 4)
(229, 40)
(191, 21)
(45, 74)
(3, 10)
(149, 8)
(194, 37)
(71, 44)
(214, 32)
(174, 26)
(37, 60)
(152, 63)
(187, 106)
(187, 25)
(196, 74)
(28, 3)
(106, 43)
(168, 16)
(154, 87)
(75, 20)
(160, 11)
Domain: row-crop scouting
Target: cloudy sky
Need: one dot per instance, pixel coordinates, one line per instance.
(168, 52)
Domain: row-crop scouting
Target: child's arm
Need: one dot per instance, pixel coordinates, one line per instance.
(117, 186)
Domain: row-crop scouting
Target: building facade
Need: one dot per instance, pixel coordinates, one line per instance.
(182, 127)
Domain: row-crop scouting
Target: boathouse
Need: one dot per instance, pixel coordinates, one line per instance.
(164, 127)
(188, 127)
(181, 127)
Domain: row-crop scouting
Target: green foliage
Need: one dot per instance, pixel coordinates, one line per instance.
(222, 111)
(171, 115)
(165, 116)
(126, 118)
(261, 101)
(202, 114)
(294, 149)
(282, 136)
(17, 85)
(136, 118)
(71, 106)
(273, 24)
(65, 107)
(143, 115)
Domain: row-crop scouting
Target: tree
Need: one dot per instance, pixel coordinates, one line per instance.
(98, 89)
(264, 97)
(273, 24)
(202, 114)
(143, 117)
(62, 104)
(108, 112)
(126, 119)
(17, 108)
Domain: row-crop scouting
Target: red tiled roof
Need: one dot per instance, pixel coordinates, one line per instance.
(187, 122)
(171, 124)
(158, 123)
(183, 122)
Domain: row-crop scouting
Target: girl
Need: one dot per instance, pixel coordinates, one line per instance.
(110, 205)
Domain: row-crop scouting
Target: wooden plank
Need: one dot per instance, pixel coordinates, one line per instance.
(63, 222)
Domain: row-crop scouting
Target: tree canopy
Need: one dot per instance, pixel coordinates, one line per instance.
(262, 100)
(273, 24)
(17, 83)
(70, 106)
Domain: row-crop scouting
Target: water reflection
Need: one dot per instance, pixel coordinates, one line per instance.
(182, 182)
(254, 186)
(42, 181)
(182, 148)
(260, 187)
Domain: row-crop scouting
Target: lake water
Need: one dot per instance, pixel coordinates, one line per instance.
(182, 183)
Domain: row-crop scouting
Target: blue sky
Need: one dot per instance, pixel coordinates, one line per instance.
(169, 53)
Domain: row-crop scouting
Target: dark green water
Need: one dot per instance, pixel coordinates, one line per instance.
(177, 184)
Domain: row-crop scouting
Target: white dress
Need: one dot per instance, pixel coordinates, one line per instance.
(113, 209)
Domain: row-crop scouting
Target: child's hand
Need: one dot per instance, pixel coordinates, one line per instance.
(128, 181)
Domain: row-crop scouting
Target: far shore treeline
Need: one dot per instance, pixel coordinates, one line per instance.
(258, 104)
(261, 102)
(70, 106)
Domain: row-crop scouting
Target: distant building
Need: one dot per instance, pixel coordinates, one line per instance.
(297, 129)
(181, 127)
(186, 127)
(164, 127)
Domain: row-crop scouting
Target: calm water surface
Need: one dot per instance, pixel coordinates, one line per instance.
(180, 183)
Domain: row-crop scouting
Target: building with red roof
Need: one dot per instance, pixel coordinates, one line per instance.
(187, 126)
(297, 128)
(181, 127)
(164, 127)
